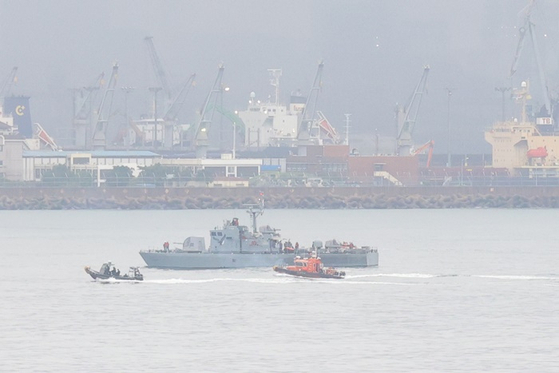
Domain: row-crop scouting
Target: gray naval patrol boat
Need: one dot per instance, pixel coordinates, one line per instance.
(237, 246)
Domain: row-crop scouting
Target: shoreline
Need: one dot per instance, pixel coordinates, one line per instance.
(278, 198)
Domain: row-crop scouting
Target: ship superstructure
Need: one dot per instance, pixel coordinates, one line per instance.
(525, 148)
(523, 144)
(270, 123)
(528, 145)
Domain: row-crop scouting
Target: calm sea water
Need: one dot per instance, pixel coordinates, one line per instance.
(456, 291)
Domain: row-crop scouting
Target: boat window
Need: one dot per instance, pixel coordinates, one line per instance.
(213, 234)
(219, 233)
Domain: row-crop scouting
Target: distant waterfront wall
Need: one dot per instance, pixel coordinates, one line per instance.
(280, 198)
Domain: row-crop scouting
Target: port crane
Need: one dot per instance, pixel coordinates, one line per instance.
(83, 111)
(177, 104)
(238, 125)
(528, 27)
(8, 83)
(170, 117)
(406, 116)
(103, 113)
(308, 131)
(158, 69)
(201, 131)
(172, 102)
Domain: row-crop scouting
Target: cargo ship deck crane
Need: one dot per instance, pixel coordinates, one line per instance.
(201, 132)
(8, 83)
(406, 116)
(307, 130)
(529, 27)
(44, 137)
(100, 130)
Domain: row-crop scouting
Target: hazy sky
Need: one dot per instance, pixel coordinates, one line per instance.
(374, 53)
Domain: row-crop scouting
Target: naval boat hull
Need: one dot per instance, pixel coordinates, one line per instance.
(135, 276)
(335, 274)
(208, 260)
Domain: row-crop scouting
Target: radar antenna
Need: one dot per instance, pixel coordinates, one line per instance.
(255, 210)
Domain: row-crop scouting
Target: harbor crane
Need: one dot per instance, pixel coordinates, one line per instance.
(170, 118)
(528, 27)
(201, 132)
(173, 111)
(308, 131)
(8, 83)
(83, 111)
(103, 113)
(406, 116)
(158, 69)
(172, 102)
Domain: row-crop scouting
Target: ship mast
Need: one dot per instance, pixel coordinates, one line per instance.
(255, 213)
(529, 28)
(275, 74)
(347, 120)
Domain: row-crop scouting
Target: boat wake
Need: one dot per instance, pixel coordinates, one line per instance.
(399, 275)
(276, 279)
(349, 281)
(356, 279)
(426, 276)
(523, 277)
(115, 281)
(173, 281)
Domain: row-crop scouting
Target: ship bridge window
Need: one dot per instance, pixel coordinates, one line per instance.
(219, 233)
(213, 234)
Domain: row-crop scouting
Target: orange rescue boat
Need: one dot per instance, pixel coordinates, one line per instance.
(309, 267)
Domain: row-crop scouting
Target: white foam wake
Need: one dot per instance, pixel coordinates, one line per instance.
(521, 277)
(399, 275)
(172, 281)
(115, 281)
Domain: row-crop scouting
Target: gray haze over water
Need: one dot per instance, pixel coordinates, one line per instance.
(374, 53)
(456, 291)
